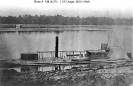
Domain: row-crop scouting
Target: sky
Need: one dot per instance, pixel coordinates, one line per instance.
(100, 8)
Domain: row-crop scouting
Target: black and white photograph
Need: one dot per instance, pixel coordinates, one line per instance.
(66, 43)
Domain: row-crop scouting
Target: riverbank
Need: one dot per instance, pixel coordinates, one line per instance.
(67, 78)
(57, 26)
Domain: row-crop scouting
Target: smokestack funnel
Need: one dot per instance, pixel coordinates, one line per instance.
(56, 46)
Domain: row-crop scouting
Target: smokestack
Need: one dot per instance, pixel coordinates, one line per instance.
(56, 47)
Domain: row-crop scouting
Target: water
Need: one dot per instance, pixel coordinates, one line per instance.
(12, 44)
(46, 68)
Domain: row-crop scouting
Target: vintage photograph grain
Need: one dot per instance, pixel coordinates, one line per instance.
(66, 43)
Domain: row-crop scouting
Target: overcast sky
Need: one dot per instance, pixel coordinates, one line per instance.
(108, 8)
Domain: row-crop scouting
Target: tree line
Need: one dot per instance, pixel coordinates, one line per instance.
(61, 20)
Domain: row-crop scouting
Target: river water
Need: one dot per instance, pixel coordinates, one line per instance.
(12, 44)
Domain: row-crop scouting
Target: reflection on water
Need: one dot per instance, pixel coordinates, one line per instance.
(50, 68)
(67, 75)
(26, 68)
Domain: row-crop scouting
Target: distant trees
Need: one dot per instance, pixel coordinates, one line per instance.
(61, 20)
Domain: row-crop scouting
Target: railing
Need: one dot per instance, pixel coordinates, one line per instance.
(61, 54)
